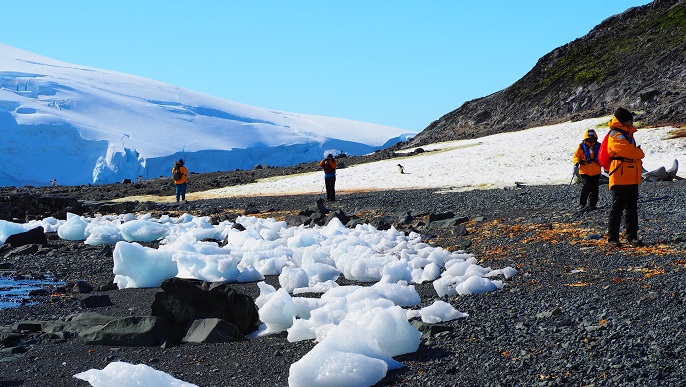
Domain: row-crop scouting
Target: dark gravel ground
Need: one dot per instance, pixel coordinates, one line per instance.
(576, 314)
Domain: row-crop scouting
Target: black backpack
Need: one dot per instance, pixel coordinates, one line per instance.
(176, 173)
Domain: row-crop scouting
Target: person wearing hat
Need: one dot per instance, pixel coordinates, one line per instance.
(180, 176)
(329, 166)
(586, 159)
(626, 168)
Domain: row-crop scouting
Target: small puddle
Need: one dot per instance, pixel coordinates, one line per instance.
(14, 293)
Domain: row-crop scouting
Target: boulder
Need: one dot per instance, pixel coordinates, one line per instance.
(183, 301)
(82, 287)
(95, 301)
(133, 331)
(33, 236)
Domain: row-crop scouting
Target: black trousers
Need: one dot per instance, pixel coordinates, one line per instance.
(589, 190)
(330, 183)
(624, 200)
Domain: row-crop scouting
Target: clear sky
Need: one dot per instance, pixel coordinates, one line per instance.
(401, 63)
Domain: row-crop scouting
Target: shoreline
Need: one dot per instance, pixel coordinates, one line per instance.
(576, 313)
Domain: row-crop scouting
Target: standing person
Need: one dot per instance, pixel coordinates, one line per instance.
(625, 172)
(329, 166)
(586, 158)
(180, 176)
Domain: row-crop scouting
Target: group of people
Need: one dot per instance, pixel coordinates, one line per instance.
(625, 174)
(180, 176)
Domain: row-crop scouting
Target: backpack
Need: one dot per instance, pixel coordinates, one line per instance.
(603, 156)
(176, 173)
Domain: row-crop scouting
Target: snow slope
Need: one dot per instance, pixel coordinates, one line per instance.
(86, 125)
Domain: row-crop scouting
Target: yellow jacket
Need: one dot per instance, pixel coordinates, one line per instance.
(589, 168)
(184, 175)
(628, 169)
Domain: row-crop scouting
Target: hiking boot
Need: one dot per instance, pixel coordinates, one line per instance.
(635, 242)
(613, 244)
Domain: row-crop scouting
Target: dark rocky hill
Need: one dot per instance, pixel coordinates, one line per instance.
(636, 59)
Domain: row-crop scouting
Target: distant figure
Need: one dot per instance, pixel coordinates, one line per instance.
(625, 171)
(586, 158)
(53, 182)
(401, 169)
(329, 166)
(180, 176)
(139, 179)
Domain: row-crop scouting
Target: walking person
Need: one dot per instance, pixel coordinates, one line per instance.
(586, 159)
(329, 166)
(625, 173)
(180, 176)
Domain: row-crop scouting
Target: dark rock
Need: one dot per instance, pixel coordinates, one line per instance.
(460, 230)
(251, 209)
(33, 236)
(134, 331)
(317, 218)
(183, 301)
(381, 223)
(10, 339)
(24, 250)
(95, 301)
(295, 220)
(405, 218)
(38, 293)
(429, 330)
(31, 326)
(13, 350)
(433, 217)
(108, 287)
(82, 287)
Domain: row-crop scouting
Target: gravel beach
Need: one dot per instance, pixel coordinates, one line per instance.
(577, 313)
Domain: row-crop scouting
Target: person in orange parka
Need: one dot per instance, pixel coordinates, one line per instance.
(180, 180)
(586, 158)
(329, 166)
(625, 173)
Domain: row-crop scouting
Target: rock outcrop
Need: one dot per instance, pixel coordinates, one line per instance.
(634, 59)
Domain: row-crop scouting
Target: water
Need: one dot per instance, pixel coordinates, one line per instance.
(14, 293)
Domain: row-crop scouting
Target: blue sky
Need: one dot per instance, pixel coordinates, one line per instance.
(400, 63)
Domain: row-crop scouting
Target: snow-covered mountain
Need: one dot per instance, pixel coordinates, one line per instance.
(81, 125)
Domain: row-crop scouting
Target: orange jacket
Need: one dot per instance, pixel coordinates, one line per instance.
(184, 175)
(329, 166)
(629, 170)
(590, 169)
